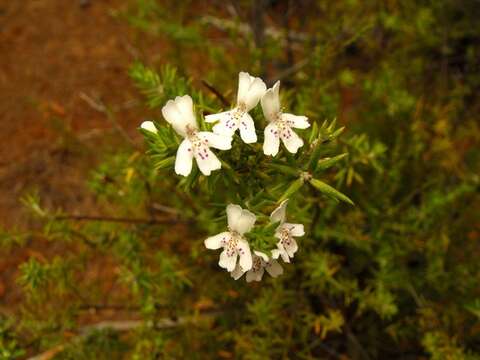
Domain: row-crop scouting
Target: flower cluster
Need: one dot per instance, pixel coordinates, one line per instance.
(196, 144)
(237, 257)
(235, 245)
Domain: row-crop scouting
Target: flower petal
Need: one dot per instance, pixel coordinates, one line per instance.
(174, 117)
(179, 114)
(149, 126)
(274, 268)
(217, 241)
(261, 255)
(280, 252)
(218, 117)
(237, 272)
(216, 141)
(295, 229)
(247, 129)
(233, 214)
(245, 223)
(296, 121)
(240, 220)
(291, 140)
(255, 275)
(226, 261)
(255, 92)
(227, 125)
(207, 161)
(185, 106)
(245, 255)
(183, 161)
(271, 102)
(291, 248)
(279, 214)
(244, 80)
(271, 143)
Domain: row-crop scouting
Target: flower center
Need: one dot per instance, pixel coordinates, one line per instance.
(241, 107)
(284, 126)
(199, 145)
(257, 263)
(285, 237)
(236, 116)
(232, 245)
(191, 131)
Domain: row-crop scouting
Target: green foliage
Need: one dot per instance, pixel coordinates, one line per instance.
(158, 88)
(100, 344)
(10, 349)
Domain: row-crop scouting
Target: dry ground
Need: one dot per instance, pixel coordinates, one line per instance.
(57, 56)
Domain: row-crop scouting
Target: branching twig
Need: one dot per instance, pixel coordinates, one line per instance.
(102, 307)
(355, 341)
(101, 107)
(217, 93)
(293, 69)
(119, 219)
(164, 208)
(245, 30)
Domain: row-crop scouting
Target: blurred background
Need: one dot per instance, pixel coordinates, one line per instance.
(402, 76)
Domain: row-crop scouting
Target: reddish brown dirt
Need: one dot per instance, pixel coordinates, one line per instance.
(54, 56)
(53, 53)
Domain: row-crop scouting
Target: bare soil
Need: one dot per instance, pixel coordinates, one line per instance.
(57, 55)
(60, 60)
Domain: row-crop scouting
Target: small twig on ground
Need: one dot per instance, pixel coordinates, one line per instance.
(102, 108)
(245, 30)
(93, 133)
(122, 326)
(217, 93)
(84, 238)
(95, 105)
(165, 209)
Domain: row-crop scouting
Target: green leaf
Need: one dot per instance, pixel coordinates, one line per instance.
(288, 170)
(315, 156)
(313, 133)
(292, 189)
(330, 191)
(328, 162)
(474, 307)
(337, 132)
(165, 163)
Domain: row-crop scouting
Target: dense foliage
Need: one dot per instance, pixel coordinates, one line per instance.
(394, 276)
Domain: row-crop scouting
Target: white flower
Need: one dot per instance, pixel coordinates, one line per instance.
(250, 90)
(281, 124)
(285, 232)
(260, 263)
(149, 126)
(240, 221)
(196, 144)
